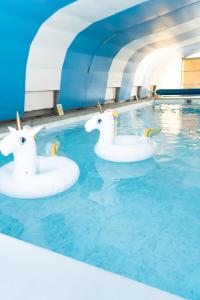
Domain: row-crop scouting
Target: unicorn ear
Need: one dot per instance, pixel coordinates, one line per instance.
(35, 130)
(11, 129)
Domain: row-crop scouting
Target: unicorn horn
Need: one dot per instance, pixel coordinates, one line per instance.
(99, 106)
(18, 122)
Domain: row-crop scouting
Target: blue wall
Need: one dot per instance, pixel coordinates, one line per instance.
(19, 22)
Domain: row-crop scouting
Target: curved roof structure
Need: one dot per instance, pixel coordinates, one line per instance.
(82, 47)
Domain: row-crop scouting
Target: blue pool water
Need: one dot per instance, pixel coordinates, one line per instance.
(140, 220)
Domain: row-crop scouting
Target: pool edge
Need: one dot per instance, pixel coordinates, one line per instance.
(75, 117)
(31, 272)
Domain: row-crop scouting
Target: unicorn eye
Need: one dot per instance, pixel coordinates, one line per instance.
(22, 140)
(99, 121)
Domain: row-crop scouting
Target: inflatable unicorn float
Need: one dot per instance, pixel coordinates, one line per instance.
(29, 175)
(119, 148)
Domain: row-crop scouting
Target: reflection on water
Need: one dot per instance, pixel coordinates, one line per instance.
(113, 173)
(174, 118)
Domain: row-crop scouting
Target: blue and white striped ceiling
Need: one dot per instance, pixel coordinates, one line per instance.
(81, 47)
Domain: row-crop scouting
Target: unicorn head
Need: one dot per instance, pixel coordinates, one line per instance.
(21, 143)
(105, 122)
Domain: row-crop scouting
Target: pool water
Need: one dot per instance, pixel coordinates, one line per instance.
(140, 220)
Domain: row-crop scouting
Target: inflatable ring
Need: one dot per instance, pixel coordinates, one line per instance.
(29, 175)
(119, 148)
(54, 175)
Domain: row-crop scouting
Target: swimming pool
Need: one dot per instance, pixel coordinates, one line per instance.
(140, 220)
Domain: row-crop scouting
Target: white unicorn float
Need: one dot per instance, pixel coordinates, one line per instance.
(119, 148)
(29, 175)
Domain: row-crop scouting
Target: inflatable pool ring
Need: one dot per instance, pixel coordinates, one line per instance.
(120, 148)
(29, 175)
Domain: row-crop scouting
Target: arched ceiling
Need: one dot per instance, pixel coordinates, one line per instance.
(127, 53)
(151, 67)
(88, 73)
(177, 41)
(74, 45)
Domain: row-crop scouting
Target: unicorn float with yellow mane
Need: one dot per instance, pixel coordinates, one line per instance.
(119, 148)
(29, 175)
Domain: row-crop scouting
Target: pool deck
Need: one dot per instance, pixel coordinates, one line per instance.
(28, 272)
(73, 116)
(32, 273)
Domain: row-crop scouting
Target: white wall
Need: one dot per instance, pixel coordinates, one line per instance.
(38, 100)
(170, 76)
(110, 93)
